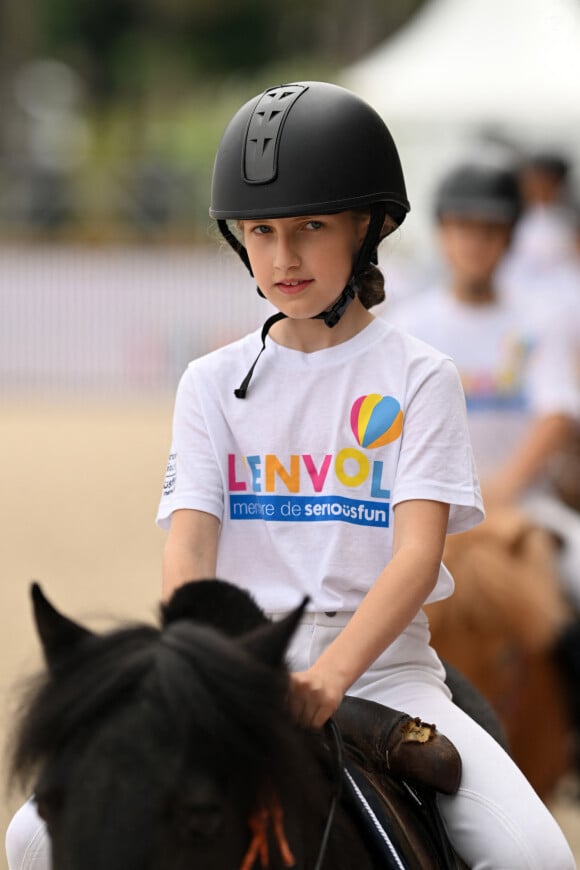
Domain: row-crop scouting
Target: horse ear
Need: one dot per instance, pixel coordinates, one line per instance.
(270, 642)
(58, 634)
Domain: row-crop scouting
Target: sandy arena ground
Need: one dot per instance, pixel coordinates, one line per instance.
(79, 486)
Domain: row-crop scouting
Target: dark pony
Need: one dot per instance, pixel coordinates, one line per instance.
(171, 747)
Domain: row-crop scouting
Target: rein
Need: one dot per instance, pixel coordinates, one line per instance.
(262, 817)
(338, 746)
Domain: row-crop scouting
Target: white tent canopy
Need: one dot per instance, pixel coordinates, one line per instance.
(487, 61)
(463, 68)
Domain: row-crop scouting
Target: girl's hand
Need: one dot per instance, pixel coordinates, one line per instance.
(314, 696)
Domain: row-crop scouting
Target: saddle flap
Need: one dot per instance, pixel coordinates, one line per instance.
(402, 823)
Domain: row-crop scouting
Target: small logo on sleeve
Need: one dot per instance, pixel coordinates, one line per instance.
(170, 475)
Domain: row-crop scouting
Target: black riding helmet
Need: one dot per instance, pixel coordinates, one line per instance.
(308, 148)
(482, 190)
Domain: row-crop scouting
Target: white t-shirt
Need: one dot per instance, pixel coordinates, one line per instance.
(550, 294)
(543, 239)
(304, 473)
(514, 362)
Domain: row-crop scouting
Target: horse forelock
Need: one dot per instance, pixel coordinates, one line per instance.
(218, 693)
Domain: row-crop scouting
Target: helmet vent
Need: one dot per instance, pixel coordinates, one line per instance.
(264, 133)
(261, 145)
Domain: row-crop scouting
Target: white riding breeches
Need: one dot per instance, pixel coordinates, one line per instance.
(27, 843)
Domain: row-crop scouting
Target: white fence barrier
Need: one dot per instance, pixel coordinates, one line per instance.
(102, 320)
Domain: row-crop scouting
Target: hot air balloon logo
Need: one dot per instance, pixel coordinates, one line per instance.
(376, 420)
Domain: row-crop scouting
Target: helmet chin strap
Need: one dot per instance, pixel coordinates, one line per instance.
(331, 316)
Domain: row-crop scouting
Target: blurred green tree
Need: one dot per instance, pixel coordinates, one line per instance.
(207, 39)
(160, 78)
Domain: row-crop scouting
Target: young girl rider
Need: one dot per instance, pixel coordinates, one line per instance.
(328, 455)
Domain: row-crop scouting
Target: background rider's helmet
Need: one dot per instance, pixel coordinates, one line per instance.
(552, 163)
(307, 148)
(480, 191)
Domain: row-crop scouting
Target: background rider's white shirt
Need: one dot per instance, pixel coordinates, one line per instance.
(516, 362)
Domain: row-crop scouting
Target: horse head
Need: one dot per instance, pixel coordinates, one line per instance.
(155, 747)
(171, 746)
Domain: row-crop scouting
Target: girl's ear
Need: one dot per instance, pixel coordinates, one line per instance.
(58, 634)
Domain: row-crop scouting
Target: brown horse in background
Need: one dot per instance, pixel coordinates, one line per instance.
(499, 629)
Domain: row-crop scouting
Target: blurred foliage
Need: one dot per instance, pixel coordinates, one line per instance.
(159, 79)
(125, 45)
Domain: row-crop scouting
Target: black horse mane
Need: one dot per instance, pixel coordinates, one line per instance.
(187, 672)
